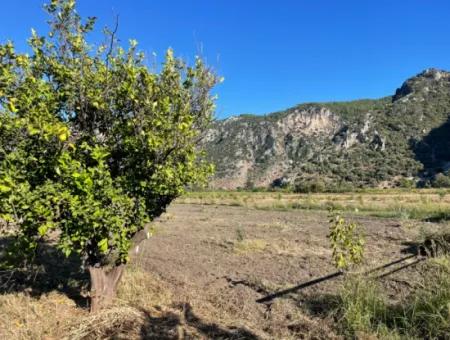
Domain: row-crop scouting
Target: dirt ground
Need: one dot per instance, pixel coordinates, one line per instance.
(219, 260)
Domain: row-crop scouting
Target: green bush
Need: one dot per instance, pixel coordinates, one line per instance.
(362, 306)
(424, 314)
(406, 183)
(309, 186)
(441, 181)
(94, 144)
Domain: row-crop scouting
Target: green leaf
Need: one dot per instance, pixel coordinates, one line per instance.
(43, 229)
(11, 105)
(4, 188)
(103, 245)
(63, 134)
(117, 170)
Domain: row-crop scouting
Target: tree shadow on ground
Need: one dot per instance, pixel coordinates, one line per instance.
(50, 271)
(179, 326)
(410, 247)
(319, 305)
(412, 250)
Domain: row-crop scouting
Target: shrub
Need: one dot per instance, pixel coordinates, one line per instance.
(93, 144)
(346, 241)
(362, 306)
(424, 314)
(406, 183)
(309, 186)
(441, 181)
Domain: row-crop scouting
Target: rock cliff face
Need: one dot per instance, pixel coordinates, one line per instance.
(363, 142)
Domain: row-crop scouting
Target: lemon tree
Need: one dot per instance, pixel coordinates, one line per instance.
(93, 144)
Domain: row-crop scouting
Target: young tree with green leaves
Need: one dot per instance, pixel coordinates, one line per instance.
(346, 241)
(93, 144)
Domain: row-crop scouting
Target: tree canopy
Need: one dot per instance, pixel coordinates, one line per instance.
(93, 143)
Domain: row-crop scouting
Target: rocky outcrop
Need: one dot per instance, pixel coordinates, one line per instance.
(365, 142)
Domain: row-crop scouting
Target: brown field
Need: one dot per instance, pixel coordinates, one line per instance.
(201, 273)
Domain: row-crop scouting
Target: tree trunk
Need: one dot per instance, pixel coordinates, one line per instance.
(104, 285)
(104, 282)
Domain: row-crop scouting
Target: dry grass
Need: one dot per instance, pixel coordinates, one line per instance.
(45, 317)
(119, 323)
(406, 204)
(55, 316)
(290, 248)
(139, 289)
(145, 309)
(249, 246)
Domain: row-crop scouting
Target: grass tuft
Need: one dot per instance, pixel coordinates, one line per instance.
(364, 309)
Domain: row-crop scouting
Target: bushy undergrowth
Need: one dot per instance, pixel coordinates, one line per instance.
(441, 181)
(365, 310)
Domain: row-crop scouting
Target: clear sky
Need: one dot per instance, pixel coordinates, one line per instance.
(275, 53)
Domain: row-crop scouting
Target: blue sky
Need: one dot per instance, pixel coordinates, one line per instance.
(275, 54)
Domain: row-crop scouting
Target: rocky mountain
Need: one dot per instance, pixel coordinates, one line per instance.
(359, 143)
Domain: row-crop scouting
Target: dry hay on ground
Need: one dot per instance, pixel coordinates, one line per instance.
(202, 273)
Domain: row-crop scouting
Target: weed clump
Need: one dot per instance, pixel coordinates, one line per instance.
(364, 309)
(436, 244)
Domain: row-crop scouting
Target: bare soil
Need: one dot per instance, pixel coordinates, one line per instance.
(219, 260)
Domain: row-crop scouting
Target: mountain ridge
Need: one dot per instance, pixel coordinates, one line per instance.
(363, 143)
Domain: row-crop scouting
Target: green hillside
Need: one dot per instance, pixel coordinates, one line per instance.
(403, 139)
